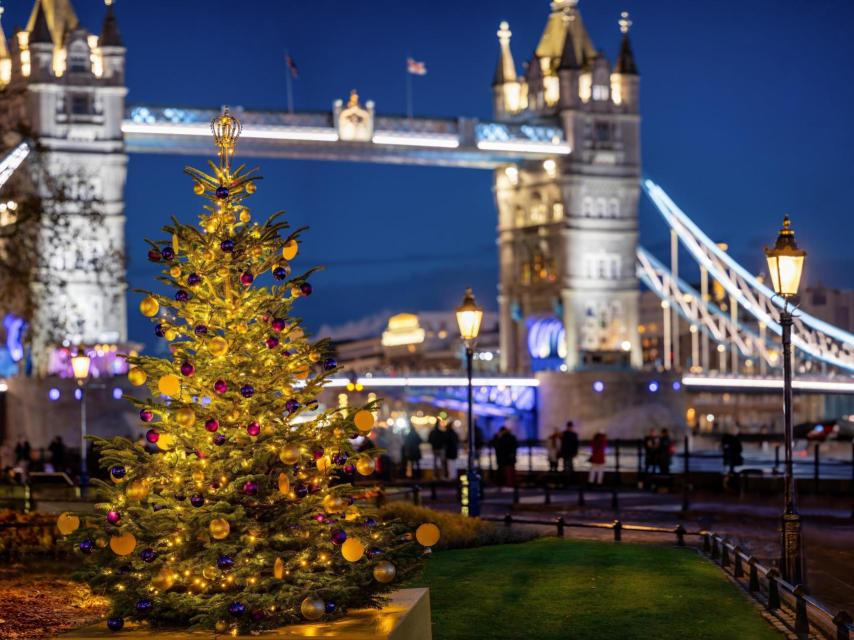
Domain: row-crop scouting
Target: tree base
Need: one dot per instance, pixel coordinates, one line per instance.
(405, 617)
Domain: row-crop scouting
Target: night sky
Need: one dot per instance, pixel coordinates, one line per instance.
(746, 116)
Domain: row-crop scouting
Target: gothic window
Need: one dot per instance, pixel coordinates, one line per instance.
(80, 104)
(587, 206)
(601, 207)
(600, 92)
(602, 131)
(78, 57)
(538, 209)
(614, 208)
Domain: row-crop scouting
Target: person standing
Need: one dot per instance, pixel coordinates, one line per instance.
(650, 452)
(412, 453)
(452, 451)
(437, 440)
(506, 444)
(732, 450)
(597, 459)
(553, 447)
(665, 451)
(569, 449)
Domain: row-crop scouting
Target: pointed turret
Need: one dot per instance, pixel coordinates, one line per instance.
(40, 32)
(534, 79)
(505, 71)
(5, 58)
(110, 34)
(626, 59)
(625, 81)
(60, 17)
(568, 57)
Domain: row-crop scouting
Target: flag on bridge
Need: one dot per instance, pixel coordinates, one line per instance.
(416, 68)
(292, 66)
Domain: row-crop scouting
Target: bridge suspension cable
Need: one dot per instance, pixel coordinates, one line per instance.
(12, 161)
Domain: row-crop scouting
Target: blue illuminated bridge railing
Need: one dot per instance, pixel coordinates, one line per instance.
(458, 142)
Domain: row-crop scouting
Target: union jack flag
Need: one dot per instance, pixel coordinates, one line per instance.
(292, 66)
(415, 67)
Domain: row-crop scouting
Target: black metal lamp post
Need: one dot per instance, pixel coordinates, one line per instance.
(469, 316)
(80, 365)
(786, 264)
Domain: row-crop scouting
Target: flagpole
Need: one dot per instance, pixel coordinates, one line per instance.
(408, 90)
(289, 80)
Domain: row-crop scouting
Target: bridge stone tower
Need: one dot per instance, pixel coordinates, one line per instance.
(568, 226)
(66, 88)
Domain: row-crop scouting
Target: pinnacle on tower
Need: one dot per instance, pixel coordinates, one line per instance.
(60, 16)
(4, 49)
(568, 57)
(40, 32)
(626, 59)
(505, 71)
(110, 34)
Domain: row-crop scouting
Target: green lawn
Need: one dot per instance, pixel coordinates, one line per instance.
(551, 589)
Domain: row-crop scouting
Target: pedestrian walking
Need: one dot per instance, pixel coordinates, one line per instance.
(553, 448)
(650, 452)
(452, 452)
(412, 453)
(437, 439)
(569, 449)
(505, 445)
(732, 449)
(665, 451)
(597, 459)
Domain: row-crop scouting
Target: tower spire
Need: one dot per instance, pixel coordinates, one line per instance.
(40, 32)
(505, 71)
(626, 64)
(110, 35)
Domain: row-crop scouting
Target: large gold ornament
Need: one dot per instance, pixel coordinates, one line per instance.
(290, 250)
(166, 441)
(364, 420)
(149, 307)
(137, 490)
(334, 504)
(284, 484)
(185, 417)
(163, 579)
(169, 385)
(312, 608)
(352, 550)
(220, 528)
(427, 534)
(67, 523)
(290, 454)
(365, 466)
(218, 346)
(123, 545)
(384, 571)
(137, 377)
(323, 464)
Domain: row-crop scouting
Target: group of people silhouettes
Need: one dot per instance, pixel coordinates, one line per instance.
(564, 447)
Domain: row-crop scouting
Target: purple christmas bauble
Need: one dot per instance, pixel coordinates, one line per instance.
(146, 415)
(373, 552)
(247, 390)
(180, 497)
(292, 405)
(272, 342)
(214, 485)
(318, 453)
(159, 331)
(250, 487)
(187, 368)
(349, 469)
(339, 536)
(148, 555)
(220, 386)
(330, 363)
(115, 624)
(227, 245)
(219, 439)
(167, 253)
(193, 279)
(278, 324)
(257, 615)
(113, 517)
(221, 192)
(370, 522)
(314, 487)
(286, 353)
(87, 545)
(319, 517)
(246, 278)
(236, 608)
(339, 458)
(144, 605)
(253, 428)
(182, 296)
(211, 424)
(305, 289)
(280, 273)
(330, 607)
(200, 330)
(301, 491)
(225, 563)
(154, 255)
(152, 436)
(118, 471)
(197, 500)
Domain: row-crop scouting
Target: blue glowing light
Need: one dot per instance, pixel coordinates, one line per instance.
(677, 385)
(15, 328)
(598, 386)
(53, 394)
(117, 393)
(78, 394)
(653, 386)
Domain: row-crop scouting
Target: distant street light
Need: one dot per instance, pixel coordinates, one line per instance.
(786, 264)
(469, 317)
(80, 364)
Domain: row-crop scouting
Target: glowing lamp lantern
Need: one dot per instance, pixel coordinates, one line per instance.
(80, 365)
(469, 317)
(786, 262)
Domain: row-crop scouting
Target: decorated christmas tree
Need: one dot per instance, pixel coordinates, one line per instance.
(236, 511)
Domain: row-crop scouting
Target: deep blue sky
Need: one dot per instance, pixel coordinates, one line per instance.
(746, 115)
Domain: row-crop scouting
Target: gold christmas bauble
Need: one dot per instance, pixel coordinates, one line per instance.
(67, 523)
(352, 550)
(137, 490)
(290, 250)
(352, 513)
(314, 356)
(175, 272)
(290, 454)
(137, 377)
(323, 464)
(364, 420)
(279, 569)
(218, 346)
(295, 292)
(101, 543)
(170, 334)
(219, 528)
(221, 626)
(166, 441)
(210, 572)
(284, 484)
(427, 534)
(185, 417)
(312, 608)
(334, 504)
(198, 475)
(169, 385)
(149, 307)
(245, 216)
(384, 571)
(234, 414)
(365, 466)
(251, 188)
(198, 188)
(163, 579)
(123, 545)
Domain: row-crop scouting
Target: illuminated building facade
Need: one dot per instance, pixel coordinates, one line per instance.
(568, 225)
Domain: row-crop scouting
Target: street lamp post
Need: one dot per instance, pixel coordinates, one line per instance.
(786, 264)
(469, 316)
(80, 365)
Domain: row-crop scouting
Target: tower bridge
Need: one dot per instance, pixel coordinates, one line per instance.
(564, 147)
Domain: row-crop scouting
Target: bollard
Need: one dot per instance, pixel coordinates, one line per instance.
(515, 494)
(724, 554)
(416, 495)
(707, 543)
(802, 623)
(773, 590)
(618, 530)
(680, 535)
(715, 551)
(737, 569)
(561, 525)
(548, 490)
(753, 581)
(581, 495)
(508, 519)
(842, 620)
